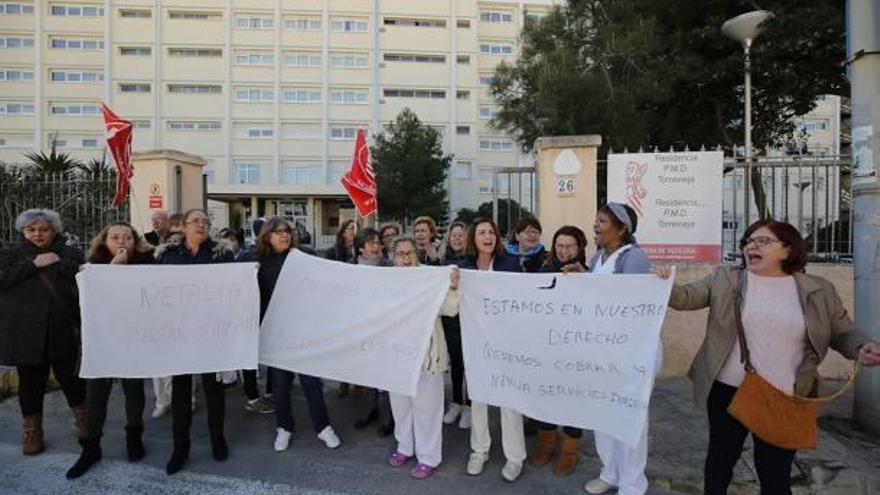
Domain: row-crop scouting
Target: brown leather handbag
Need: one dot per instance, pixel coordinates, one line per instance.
(783, 420)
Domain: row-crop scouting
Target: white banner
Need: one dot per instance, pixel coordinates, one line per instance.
(576, 350)
(678, 199)
(145, 321)
(357, 324)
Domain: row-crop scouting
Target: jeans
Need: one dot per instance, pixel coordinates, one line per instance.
(98, 393)
(181, 406)
(313, 388)
(452, 331)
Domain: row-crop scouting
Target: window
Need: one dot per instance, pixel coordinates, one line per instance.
(301, 174)
(194, 16)
(486, 79)
(134, 87)
(534, 18)
(195, 88)
(343, 133)
(136, 51)
(254, 95)
(496, 145)
(463, 59)
(429, 23)
(16, 8)
(463, 95)
(349, 61)
(14, 108)
(496, 48)
(77, 10)
(488, 113)
(349, 97)
(76, 44)
(188, 125)
(195, 52)
(254, 58)
(16, 75)
(349, 26)
(813, 126)
(142, 124)
(258, 133)
(302, 95)
(13, 42)
(58, 143)
(135, 13)
(247, 173)
(303, 24)
(427, 94)
(463, 23)
(303, 59)
(496, 17)
(463, 130)
(248, 22)
(73, 109)
(84, 77)
(418, 58)
(89, 143)
(463, 170)
(304, 132)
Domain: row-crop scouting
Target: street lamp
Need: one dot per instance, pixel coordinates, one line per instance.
(745, 28)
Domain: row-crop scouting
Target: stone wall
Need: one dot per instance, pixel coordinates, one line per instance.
(683, 331)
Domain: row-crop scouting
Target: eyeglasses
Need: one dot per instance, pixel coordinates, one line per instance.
(560, 247)
(200, 221)
(759, 241)
(531, 231)
(405, 254)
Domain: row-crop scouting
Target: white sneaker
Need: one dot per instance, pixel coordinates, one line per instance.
(511, 471)
(282, 440)
(160, 411)
(328, 436)
(598, 486)
(464, 422)
(476, 462)
(452, 414)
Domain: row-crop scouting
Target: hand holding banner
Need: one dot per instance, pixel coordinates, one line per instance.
(578, 350)
(146, 321)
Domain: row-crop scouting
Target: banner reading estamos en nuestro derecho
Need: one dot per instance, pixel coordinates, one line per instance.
(146, 321)
(577, 350)
(678, 199)
(358, 324)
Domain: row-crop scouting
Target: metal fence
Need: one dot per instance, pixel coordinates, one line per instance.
(82, 199)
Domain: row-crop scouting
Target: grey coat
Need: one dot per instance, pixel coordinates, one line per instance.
(631, 261)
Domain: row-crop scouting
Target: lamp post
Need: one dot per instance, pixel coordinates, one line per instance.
(745, 28)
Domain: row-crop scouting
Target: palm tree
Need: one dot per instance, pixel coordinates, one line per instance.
(53, 163)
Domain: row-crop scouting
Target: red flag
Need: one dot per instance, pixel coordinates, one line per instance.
(360, 181)
(119, 133)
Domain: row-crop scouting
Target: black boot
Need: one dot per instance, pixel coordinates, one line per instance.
(178, 457)
(134, 442)
(91, 454)
(219, 449)
(362, 423)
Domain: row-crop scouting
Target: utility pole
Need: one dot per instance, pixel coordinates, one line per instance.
(863, 26)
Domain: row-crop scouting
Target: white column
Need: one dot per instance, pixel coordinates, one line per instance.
(453, 100)
(39, 76)
(227, 101)
(325, 89)
(108, 52)
(158, 88)
(376, 111)
(279, 24)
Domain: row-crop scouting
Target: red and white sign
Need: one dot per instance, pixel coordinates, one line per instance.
(677, 197)
(156, 202)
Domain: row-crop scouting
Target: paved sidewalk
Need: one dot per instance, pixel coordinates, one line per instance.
(846, 462)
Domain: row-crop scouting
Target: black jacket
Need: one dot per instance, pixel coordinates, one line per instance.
(267, 277)
(556, 267)
(505, 263)
(339, 253)
(209, 252)
(35, 321)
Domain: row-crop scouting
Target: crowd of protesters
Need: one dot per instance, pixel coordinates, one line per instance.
(790, 319)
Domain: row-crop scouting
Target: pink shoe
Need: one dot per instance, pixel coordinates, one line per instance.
(422, 471)
(398, 460)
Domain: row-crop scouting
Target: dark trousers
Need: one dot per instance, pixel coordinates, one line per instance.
(313, 388)
(32, 383)
(568, 430)
(726, 439)
(452, 331)
(181, 406)
(98, 394)
(251, 391)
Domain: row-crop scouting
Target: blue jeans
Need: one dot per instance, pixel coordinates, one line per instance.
(313, 388)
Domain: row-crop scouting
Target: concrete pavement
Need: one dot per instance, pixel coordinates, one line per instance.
(845, 462)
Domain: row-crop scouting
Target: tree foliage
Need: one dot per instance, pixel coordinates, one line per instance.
(410, 170)
(506, 208)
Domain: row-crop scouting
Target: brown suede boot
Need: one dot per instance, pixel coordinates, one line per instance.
(569, 454)
(547, 440)
(32, 441)
(79, 419)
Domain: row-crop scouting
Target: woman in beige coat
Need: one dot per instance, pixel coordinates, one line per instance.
(790, 319)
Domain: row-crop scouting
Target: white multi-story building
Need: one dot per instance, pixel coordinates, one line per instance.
(270, 92)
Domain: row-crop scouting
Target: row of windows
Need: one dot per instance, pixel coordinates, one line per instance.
(77, 44)
(77, 10)
(76, 76)
(10, 8)
(16, 42)
(16, 75)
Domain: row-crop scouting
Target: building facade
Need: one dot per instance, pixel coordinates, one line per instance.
(269, 92)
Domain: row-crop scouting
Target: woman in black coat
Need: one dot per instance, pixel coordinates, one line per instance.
(453, 252)
(39, 326)
(117, 244)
